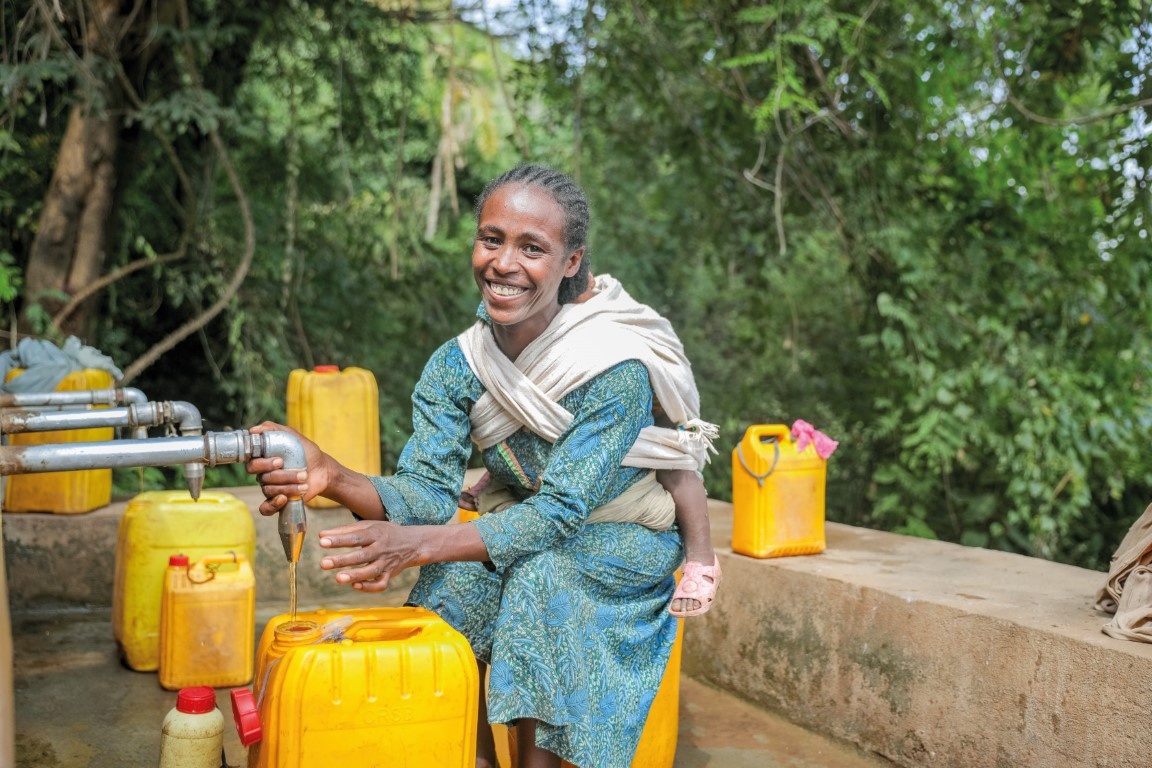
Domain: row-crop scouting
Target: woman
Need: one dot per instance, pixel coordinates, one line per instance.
(570, 617)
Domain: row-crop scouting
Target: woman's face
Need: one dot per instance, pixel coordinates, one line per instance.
(519, 259)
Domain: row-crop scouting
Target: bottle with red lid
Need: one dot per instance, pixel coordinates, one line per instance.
(193, 731)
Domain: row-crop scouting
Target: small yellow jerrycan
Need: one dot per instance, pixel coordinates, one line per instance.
(777, 495)
(339, 410)
(207, 622)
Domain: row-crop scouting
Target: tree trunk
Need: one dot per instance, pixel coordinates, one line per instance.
(71, 239)
(77, 222)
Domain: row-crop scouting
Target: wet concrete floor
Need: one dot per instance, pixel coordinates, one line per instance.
(77, 706)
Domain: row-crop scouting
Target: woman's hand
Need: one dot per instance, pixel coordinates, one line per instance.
(277, 483)
(381, 550)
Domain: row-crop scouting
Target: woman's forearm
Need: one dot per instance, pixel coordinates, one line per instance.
(450, 543)
(354, 491)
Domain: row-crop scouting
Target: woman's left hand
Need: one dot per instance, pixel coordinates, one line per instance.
(381, 549)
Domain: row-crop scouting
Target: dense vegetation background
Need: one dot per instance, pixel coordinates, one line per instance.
(921, 225)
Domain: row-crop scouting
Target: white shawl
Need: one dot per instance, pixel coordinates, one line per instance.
(581, 342)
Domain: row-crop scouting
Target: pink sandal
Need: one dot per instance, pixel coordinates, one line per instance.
(698, 582)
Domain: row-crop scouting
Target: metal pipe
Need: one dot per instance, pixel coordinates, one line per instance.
(114, 396)
(210, 449)
(183, 415)
(138, 416)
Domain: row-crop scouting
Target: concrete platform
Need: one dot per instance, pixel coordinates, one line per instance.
(78, 706)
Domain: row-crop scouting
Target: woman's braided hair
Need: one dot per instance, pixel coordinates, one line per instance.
(570, 197)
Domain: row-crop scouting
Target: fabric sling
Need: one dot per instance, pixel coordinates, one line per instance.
(582, 341)
(1127, 593)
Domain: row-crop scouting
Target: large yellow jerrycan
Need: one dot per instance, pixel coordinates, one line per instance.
(339, 410)
(63, 493)
(395, 687)
(777, 495)
(207, 622)
(155, 526)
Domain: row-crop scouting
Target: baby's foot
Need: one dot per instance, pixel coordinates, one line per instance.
(697, 589)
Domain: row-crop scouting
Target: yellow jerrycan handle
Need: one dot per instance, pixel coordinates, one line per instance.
(210, 564)
(385, 629)
(757, 434)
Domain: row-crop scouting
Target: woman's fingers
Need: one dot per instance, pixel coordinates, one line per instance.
(376, 585)
(366, 565)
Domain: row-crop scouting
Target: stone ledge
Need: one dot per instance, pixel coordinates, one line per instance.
(927, 653)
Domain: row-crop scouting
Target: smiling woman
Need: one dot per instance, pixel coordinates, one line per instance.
(520, 258)
(557, 396)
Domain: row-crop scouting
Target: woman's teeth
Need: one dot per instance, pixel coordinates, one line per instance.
(505, 290)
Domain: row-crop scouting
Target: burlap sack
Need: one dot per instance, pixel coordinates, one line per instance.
(1127, 592)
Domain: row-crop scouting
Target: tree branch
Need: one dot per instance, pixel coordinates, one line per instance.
(87, 291)
(1082, 120)
(230, 291)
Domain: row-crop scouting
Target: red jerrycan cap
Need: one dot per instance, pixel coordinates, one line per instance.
(178, 560)
(326, 369)
(247, 716)
(196, 700)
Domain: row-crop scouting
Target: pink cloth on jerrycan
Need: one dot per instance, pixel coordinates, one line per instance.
(1127, 593)
(805, 433)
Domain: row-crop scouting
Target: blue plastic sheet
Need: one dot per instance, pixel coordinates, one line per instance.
(45, 364)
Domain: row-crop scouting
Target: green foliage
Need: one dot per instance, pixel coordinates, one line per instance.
(921, 226)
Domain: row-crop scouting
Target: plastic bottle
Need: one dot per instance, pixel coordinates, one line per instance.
(193, 734)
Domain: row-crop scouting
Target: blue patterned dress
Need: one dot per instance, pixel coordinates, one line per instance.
(571, 617)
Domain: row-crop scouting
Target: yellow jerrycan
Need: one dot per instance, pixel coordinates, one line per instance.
(339, 410)
(777, 495)
(207, 622)
(63, 493)
(392, 687)
(155, 526)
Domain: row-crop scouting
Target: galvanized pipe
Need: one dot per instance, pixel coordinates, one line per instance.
(184, 415)
(210, 449)
(138, 416)
(114, 396)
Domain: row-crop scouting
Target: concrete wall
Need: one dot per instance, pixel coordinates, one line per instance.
(928, 654)
(59, 561)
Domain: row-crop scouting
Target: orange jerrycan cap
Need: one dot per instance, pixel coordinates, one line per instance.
(178, 560)
(196, 700)
(326, 369)
(247, 716)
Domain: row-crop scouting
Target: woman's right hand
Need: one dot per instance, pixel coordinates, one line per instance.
(277, 483)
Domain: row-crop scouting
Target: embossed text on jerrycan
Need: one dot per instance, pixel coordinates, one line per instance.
(395, 687)
(339, 410)
(777, 495)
